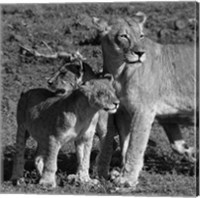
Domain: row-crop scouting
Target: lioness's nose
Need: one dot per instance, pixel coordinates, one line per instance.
(138, 50)
(139, 53)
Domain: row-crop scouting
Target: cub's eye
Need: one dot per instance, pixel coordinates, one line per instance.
(63, 72)
(141, 36)
(100, 93)
(123, 36)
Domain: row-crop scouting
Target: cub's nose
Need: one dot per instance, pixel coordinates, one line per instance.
(50, 81)
(116, 103)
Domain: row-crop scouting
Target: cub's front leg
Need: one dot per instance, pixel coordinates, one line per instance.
(19, 161)
(83, 151)
(48, 178)
(39, 158)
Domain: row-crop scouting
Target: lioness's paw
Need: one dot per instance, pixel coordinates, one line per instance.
(47, 183)
(123, 190)
(123, 184)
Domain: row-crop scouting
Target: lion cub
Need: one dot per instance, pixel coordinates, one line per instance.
(53, 120)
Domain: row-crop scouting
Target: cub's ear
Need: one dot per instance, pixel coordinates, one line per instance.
(85, 87)
(101, 25)
(85, 84)
(140, 18)
(109, 77)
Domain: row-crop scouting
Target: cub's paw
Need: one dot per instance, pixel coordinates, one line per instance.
(190, 154)
(78, 179)
(18, 181)
(114, 175)
(93, 182)
(72, 179)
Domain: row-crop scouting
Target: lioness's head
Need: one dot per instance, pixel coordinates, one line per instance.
(101, 94)
(123, 38)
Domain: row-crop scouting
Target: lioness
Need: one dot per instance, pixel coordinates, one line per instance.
(151, 81)
(53, 120)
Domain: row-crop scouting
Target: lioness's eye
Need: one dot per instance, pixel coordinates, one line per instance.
(123, 40)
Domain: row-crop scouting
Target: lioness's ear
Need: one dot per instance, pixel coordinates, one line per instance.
(101, 25)
(141, 18)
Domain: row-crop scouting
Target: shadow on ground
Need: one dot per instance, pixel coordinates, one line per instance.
(67, 164)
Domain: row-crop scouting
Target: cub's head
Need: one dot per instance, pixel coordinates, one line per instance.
(122, 39)
(65, 79)
(101, 94)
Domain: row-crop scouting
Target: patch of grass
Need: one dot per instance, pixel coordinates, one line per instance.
(170, 184)
(68, 27)
(161, 175)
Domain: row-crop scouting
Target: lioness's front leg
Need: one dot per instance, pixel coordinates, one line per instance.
(140, 128)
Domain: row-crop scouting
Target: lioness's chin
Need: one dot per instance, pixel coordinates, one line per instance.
(114, 110)
(135, 60)
(134, 65)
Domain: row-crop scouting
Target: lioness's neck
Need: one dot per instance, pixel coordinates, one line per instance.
(113, 65)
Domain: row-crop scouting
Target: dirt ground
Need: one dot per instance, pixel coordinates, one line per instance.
(50, 28)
